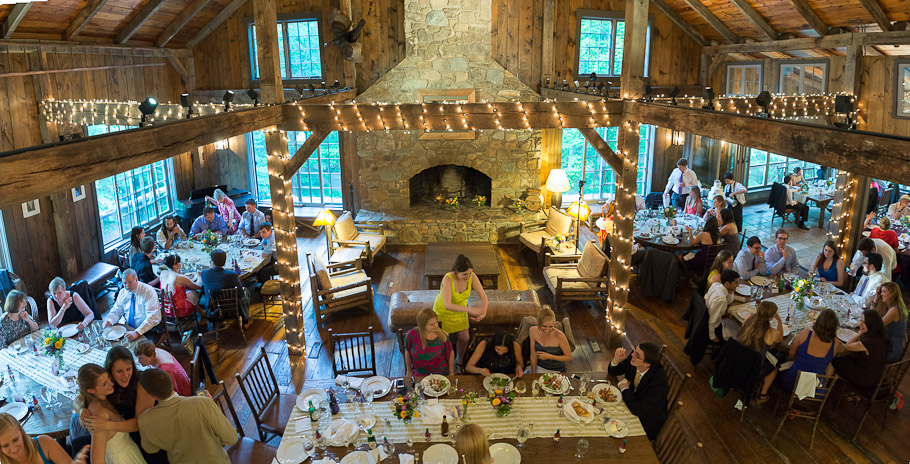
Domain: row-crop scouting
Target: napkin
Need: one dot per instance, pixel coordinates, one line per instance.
(405, 458)
(325, 461)
(354, 382)
(378, 454)
(303, 424)
(341, 431)
(432, 414)
(806, 384)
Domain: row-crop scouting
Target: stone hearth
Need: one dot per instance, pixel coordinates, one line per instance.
(422, 224)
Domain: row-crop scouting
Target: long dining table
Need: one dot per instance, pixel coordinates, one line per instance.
(541, 411)
(194, 256)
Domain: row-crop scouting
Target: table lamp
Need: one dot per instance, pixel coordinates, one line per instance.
(326, 219)
(557, 183)
(580, 211)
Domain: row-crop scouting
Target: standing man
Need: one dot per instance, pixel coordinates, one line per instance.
(137, 307)
(781, 258)
(735, 194)
(750, 261)
(681, 180)
(718, 299)
(251, 220)
(645, 387)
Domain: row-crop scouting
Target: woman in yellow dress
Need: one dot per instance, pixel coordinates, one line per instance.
(451, 304)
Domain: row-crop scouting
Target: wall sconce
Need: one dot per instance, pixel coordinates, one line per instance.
(678, 138)
(221, 144)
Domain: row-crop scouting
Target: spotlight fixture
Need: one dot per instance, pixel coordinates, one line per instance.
(709, 95)
(647, 97)
(548, 83)
(147, 108)
(254, 95)
(227, 99)
(336, 85)
(673, 94)
(565, 85)
(185, 102)
(299, 88)
(763, 100)
(843, 104)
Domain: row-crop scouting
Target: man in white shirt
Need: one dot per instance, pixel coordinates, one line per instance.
(268, 252)
(718, 299)
(750, 261)
(136, 307)
(901, 208)
(874, 245)
(802, 210)
(251, 220)
(735, 195)
(681, 180)
(781, 258)
(868, 284)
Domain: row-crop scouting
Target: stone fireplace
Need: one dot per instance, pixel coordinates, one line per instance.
(448, 181)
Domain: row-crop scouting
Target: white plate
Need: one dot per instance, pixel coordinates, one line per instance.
(620, 430)
(380, 385)
(504, 453)
(430, 391)
(18, 347)
(866, 233)
(291, 450)
(82, 348)
(69, 330)
(114, 332)
(744, 290)
(815, 303)
(773, 324)
(440, 454)
(669, 240)
(570, 413)
(17, 410)
(365, 421)
(487, 383)
(845, 335)
(605, 386)
(251, 241)
(314, 394)
(358, 457)
(564, 386)
(761, 280)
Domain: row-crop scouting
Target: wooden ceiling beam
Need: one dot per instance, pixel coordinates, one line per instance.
(147, 11)
(82, 18)
(12, 21)
(717, 24)
(177, 24)
(218, 20)
(88, 47)
(602, 148)
(680, 22)
(811, 17)
(816, 43)
(756, 19)
(303, 153)
(878, 15)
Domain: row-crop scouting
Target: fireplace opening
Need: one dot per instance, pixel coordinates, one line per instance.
(448, 181)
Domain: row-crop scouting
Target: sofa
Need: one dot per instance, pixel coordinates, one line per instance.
(505, 308)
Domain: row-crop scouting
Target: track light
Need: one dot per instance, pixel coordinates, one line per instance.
(147, 108)
(673, 94)
(709, 95)
(185, 102)
(763, 100)
(254, 95)
(227, 99)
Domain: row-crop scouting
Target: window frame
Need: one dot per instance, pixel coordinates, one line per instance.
(253, 54)
(6, 261)
(744, 65)
(824, 63)
(295, 181)
(602, 193)
(790, 163)
(899, 63)
(582, 14)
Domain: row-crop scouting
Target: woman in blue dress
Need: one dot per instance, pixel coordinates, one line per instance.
(828, 266)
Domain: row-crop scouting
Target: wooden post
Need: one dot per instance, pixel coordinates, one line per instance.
(847, 216)
(276, 145)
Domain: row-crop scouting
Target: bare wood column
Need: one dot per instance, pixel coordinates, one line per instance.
(276, 145)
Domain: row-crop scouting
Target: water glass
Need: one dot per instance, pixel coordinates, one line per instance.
(535, 388)
(521, 387)
(324, 409)
(581, 447)
(368, 398)
(410, 443)
(522, 435)
(583, 386)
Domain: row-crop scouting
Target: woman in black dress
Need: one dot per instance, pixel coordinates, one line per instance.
(868, 351)
(65, 307)
(500, 355)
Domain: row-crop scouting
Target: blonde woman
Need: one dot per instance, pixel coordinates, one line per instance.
(889, 304)
(549, 346)
(17, 448)
(108, 447)
(472, 446)
(427, 347)
(758, 334)
(227, 208)
(65, 307)
(16, 322)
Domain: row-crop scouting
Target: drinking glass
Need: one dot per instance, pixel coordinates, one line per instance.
(410, 443)
(308, 446)
(324, 409)
(522, 435)
(359, 440)
(581, 447)
(535, 388)
(389, 448)
(521, 387)
(583, 387)
(368, 398)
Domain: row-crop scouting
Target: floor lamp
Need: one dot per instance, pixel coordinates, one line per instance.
(580, 211)
(326, 219)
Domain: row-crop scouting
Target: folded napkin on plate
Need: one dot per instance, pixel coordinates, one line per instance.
(340, 431)
(354, 382)
(405, 458)
(432, 414)
(378, 454)
(806, 384)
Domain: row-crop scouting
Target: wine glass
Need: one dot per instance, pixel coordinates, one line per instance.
(581, 447)
(388, 447)
(521, 387)
(535, 388)
(410, 443)
(308, 447)
(522, 435)
(368, 398)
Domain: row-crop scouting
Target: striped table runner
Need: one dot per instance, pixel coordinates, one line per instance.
(38, 368)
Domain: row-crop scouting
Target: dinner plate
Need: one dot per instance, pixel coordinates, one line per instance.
(616, 428)
(669, 240)
(251, 241)
(761, 280)
(773, 324)
(15, 409)
(815, 303)
(18, 347)
(365, 421)
(69, 330)
(574, 416)
(114, 332)
(645, 235)
(381, 386)
(442, 382)
(440, 454)
(504, 453)
(488, 383)
(291, 450)
(845, 335)
(606, 387)
(744, 290)
(563, 385)
(358, 457)
(314, 394)
(82, 348)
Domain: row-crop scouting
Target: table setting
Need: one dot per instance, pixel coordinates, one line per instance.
(666, 229)
(194, 255)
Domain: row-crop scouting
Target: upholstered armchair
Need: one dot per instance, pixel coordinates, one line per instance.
(579, 277)
(350, 243)
(338, 290)
(534, 236)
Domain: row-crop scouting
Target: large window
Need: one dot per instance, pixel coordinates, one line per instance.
(138, 197)
(298, 50)
(316, 183)
(600, 43)
(902, 88)
(600, 181)
(767, 168)
(744, 79)
(803, 78)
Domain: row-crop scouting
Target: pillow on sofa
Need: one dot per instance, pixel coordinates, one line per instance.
(558, 223)
(344, 227)
(322, 274)
(592, 263)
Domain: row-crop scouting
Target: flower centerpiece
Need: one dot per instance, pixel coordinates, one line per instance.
(406, 407)
(467, 399)
(905, 221)
(669, 213)
(452, 202)
(502, 402)
(53, 346)
(209, 239)
(480, 200)
(802, 289)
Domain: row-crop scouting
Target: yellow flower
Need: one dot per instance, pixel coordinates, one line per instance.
(496, 401)
(416, 413)
(400, 400)
(404, 414)
(47, 341)
(498, 392)
(464, 402)
(59, 344)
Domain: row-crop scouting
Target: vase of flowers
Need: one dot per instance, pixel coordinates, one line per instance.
(802, 289)
(519, 205)
(406, 407)
(669, 213)
(53, 346)
(209, 239)
(502, 402)
(480, 200)
(467, 399)
(452, 202)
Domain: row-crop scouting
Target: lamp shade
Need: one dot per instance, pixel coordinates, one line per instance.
(557, 181)
(324, 218)
(580, 210)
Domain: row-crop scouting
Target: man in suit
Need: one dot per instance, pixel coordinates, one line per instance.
(191, 429)
(645, 387)
(218, 278)
(872, 278)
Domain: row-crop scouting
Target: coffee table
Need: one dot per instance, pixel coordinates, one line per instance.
(441, 256)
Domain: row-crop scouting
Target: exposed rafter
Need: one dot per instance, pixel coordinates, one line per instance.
(810, 16)
(303, 153)
(184, 17)
(147, 11)
(877, 13)
(12, 21)
(816, 43)
(218, 20)
(602, 148)
(717, 24)
(756, 19)
(679, 21)
(82, 18)
(86, 47)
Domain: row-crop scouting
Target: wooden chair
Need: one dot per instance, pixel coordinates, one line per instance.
(675, 378)
(579, 277)
(676, 444)
(246, 449)
(164, 340)
(348, 234)
(884, 201)
(777, 201)
(339, 290)
(270, 408)
(810, 407)
(271, 297)
(353, 353)
(226, 304)
(534, 236)
(883, 393)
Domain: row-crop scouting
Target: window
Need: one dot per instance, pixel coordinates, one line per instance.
(902, 88)
(600, 180)
(803, 78)
(299, 48)
(5, 261)
(600, 44)
(138, 197)
(317, 182)
(744, 79)
(767, 168)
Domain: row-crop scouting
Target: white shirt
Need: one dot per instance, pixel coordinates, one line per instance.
(717, 300)
(865, 290)
(688, 177)
(889, 258)
(147, 313)
(735, 187)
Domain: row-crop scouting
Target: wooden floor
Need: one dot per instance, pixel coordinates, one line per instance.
(713, 419)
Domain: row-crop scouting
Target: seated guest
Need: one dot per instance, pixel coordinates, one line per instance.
(175, 284)
(750, 261)
(705, 240)
(867, 354)
(500, 355)
(16, 447)
(722, 262)
(16, 322)
(889, 304)
(65, 307)
(757, 334)
(718, 205)
(693, 202)
(268, 252)
(136, 307)
(149, 356)
(645, 387)
(549, 346)
(796, 179)
(718, 299)
(900, 209)
(208, 221)
(136, 236)
(729, 231)
(472, 445)
(218, 278)
(802, 210)
(191, 429)
(874, 245)
(251, 220)
(170, 232)
(781, 258)
(882, 231)
(227, 208)
(142, 262)
(865, 290)
(735, 196)
(427, 347)
(813, 349)
(828, 265)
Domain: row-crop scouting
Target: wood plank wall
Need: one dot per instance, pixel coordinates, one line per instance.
(877, 98)
(33, 241)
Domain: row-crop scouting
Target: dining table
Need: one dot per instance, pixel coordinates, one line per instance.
(819, 193)
(666, 234)
(194, 255)
(539, 415)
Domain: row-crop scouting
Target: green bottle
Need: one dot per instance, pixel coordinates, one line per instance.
(312, 412)
(371, 440)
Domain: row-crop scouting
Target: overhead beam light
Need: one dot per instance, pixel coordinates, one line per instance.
(763, 100)
(185, 103)
(227, 99)
(147, 108)
(254, 95)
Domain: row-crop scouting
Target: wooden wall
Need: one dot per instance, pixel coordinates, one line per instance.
(877, 97)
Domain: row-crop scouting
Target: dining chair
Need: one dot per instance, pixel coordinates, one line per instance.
(270, 408)
(882, 395)
(676, 380)
(809, 407)
(353, 353)
(246, 449)
(226, 304)
(676, 443)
